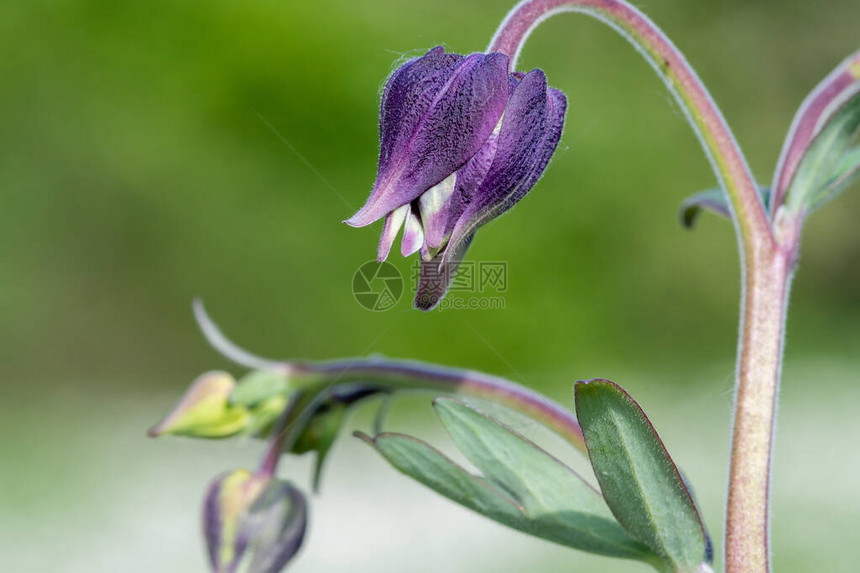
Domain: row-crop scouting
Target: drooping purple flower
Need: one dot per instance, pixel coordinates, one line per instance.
(461, 141)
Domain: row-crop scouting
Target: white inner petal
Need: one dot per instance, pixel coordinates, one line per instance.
(431, 204)
(498, 127)
(393, 221)
(413, 235)
(432, 200)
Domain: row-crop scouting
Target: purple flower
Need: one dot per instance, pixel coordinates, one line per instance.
(461, 141)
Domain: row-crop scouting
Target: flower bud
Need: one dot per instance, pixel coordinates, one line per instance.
(253, 523)
(205, 411)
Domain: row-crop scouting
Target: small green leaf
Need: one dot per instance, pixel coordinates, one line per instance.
(264, 414)
(830, 163)
(713, 200)
(522, 486)
(319, 435)
(638, 478)
(258, 386)
(847, 172)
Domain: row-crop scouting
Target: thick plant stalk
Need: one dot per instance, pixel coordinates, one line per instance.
(759, 364)
(766, 265)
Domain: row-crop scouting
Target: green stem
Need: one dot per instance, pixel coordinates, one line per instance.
(272, 455)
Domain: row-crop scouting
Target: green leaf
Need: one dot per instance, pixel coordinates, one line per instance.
(264, 414)
(319, 435)
(715, 201)
(639, 480)
(847, 172)
(830, 163)
(522, 486)
(258, 386)
(429, 466)
(550, 492)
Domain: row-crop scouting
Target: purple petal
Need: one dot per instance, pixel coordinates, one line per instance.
(212, 519)
(530, 132)
(436, 275)
(469, 179)
(425, 140)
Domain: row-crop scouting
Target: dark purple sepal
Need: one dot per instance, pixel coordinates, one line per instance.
(469, 179)
(529, 134)
(436, 275)
(409, 92)
(434, 119)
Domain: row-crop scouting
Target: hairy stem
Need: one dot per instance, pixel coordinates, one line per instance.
(407, 374)
(758, 371)
(765, 264)
(272, 455)
(760, 350)
(391, 375)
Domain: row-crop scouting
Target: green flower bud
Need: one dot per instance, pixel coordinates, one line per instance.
(205, 410)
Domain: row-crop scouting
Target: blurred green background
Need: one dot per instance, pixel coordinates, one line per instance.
(155, 151)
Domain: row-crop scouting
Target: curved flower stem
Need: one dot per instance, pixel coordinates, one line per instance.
(390, 375)
(275, 446)
(766, 264)
(408, 374)
(720, 146)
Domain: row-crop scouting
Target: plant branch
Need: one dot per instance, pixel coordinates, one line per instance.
(414, 375)
(275, 446)
(405, 375)
(766, 266)
(761, 346)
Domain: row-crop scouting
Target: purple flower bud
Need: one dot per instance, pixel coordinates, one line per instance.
(461, 141)
(253, 523)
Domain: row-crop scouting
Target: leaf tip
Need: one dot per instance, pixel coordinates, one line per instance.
(365, 438)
